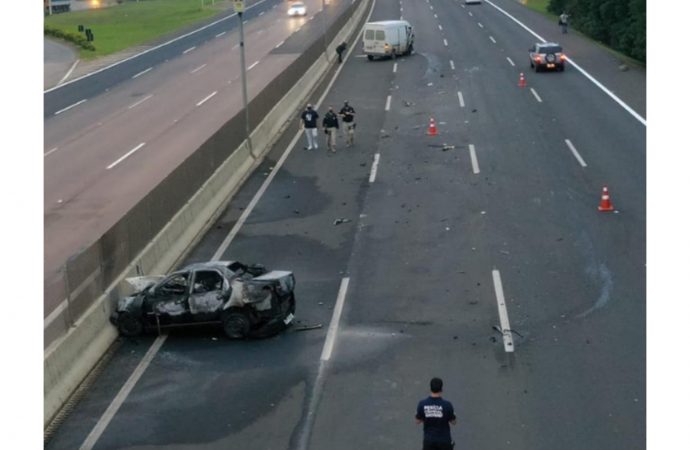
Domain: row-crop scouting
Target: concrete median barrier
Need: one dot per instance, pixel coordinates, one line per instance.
(159, 231)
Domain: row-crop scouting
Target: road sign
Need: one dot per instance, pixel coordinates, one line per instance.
(239, 6)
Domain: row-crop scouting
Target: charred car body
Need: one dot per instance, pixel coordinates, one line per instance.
(248, 301)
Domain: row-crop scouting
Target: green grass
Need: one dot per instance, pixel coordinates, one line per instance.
(538, 5)
(134, 23)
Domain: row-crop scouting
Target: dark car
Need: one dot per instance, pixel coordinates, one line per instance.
(247, 300)
(547, 55)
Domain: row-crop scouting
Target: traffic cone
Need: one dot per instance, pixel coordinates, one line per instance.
(432, 127)
(605, 203)
(522, 82)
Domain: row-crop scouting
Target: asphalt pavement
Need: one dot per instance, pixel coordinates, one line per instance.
(498, 212)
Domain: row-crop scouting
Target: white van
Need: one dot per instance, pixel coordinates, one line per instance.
(388, 38)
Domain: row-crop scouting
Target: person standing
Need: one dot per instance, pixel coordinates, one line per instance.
(436, 413)
(310, 124)
(330, 125)
(340, 50)
(348, 114)
(563, 22)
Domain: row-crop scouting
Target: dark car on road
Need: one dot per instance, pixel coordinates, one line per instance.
(547, 55)
(247, 300)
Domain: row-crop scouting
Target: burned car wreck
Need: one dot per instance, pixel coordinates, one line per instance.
(247, 300)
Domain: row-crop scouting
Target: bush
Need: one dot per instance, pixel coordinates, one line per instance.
(69, 36)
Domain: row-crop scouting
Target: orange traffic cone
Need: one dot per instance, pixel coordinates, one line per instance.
(432, 127)
(605, 204)
(522, 82)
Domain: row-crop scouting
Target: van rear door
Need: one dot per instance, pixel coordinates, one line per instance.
(374, 40)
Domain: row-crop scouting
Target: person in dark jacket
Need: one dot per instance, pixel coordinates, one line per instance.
(347, 112)
(340, 50)
(310, 124)
(436, 413)
(330, 126)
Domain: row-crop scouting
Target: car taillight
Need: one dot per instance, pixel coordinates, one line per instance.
(537, 59)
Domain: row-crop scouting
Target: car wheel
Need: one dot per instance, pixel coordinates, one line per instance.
(370, 57)
(129, 325)
(410, 49)
(236, 325)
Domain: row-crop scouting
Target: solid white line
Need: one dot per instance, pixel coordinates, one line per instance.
(374, 168)
(395, 67)
(445, 42)
(615, 98)
(220, 34)
(473, 158)
(69, 72)
(335, 321)
(122, 158)
(280, 43)
(535, 94)
(188, 50)
(510, 61)
(480, 25)
(461, 99)
(252, 204)
(50, 151)
(252, 66)
(133, 105)
(492, 39)
(452, 65)
(205, 99)
(503, 313)
(70, 106)
(577, 155)
(117, 63)
(142, 72)
(388, 103)
(440, 27)
(119, 399)
(198, 68)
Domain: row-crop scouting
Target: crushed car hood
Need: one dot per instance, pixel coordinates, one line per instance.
(141, 283)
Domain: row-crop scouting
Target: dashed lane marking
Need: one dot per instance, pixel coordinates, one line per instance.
(207, 98)
(510, 61)
(142, 73)
(50, 151)
(125, 156)
(135, 104)
(374, 168)
(69, 107)
(503, 313)
(252, 66)
(473, 158)
(440, 27)
(452, 65)
(445, 42)
(461, 99)
(395, 67)
(480, 25)
(535, 94)
(575, 153)
(388, 103)
(188, 50)
(198, 68)
(280, 43)
(220, 34)
(492, 39)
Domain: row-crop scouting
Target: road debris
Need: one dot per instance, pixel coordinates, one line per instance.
(308, 327)
(341, 220)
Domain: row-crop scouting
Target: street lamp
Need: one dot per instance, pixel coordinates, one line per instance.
(239, 9)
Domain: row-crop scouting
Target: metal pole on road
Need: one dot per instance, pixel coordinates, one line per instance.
(239, 8)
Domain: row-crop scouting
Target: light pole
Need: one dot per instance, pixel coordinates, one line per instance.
(239, 9)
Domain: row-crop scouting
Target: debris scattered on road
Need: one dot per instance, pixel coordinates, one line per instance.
(473, 302)
(483, 212)
(362, 164)
(287, 196)
(505, 252)
(341, 220)
(407, 104)
(214, 338)
(430, 84)
(296, 211)
(308, 327)
(474, 110)
(320, 303)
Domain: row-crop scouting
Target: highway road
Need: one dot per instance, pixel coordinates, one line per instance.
(498, 229)
(120, 132)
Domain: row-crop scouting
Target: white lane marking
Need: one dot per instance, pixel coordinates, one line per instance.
(470, 13)
(69, 72)
(480, 25)
(117, 63)
(261, 13)
(388, 103)
(134, 105)
(119, 399)
(123, 157)
(615, 98)
(435, 16)
(452, 65)
(510, 61)
(188, 50)
(445, 42)
(395, 67)
(276, 168)
(207, 98)
(473, 158)
(492, 39)
(401, 10)
(70, 106)
(574, 151)
(50, 151)
(374, 168)
(432, 8)
(198, 68)
(440, 27)
(142, 73)
(280, 43)
(503, 312)
(535, 94)
(401, 17)
(461, 99)
(311, 18)
(220, 34)
(462, 6)
(252, 66)
(245, 22)
(335, 321)
(235, 46)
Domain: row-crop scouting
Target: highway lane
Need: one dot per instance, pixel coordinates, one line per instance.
(171, 109)
(427, 235)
